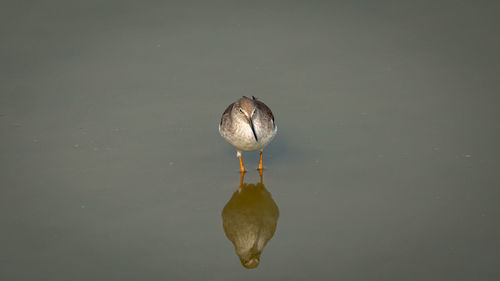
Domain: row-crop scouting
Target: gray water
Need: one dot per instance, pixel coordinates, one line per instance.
(385, 166)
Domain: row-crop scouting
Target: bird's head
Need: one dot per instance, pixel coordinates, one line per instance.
(245, 109)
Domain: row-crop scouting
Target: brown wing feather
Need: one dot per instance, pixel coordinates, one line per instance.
(264, 108)
(227, 114)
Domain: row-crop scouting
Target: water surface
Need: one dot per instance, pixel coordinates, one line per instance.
(385, 166)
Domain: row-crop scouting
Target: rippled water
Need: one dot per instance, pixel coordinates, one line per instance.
(385, 166)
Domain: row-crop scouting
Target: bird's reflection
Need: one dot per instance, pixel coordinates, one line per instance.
(249, 219)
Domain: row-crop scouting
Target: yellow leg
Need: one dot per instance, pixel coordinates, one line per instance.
(261, 177)
(242, 177)
(242, 167)
(260, 163)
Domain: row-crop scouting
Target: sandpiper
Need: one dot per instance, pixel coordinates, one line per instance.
(248, 125)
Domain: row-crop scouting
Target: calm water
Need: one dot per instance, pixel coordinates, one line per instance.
(385, 166)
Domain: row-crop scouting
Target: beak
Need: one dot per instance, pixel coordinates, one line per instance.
(253, 130)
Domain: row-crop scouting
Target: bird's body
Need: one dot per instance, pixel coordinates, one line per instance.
(248, 125)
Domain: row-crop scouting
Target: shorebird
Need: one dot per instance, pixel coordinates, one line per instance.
(248, 125)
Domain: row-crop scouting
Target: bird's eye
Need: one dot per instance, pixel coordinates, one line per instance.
(241, 110)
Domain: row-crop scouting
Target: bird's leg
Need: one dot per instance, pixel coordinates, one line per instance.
(261, 177)
(242, 167)
(260, 163)
(242, 178)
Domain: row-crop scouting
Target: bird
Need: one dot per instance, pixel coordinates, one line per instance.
(248, 125)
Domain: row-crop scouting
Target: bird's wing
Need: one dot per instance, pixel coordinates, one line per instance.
(264, 108)
(226, 116)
